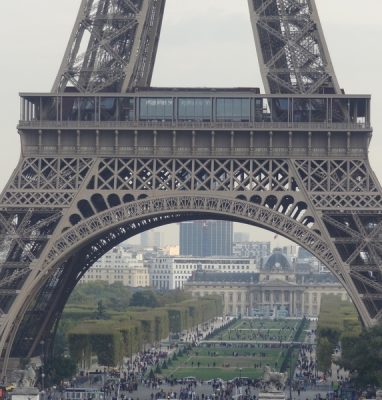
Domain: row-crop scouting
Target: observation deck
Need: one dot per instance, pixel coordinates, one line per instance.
(200, 122)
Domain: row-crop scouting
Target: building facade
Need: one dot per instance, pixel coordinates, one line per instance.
(276, 291)
(119, 265)
(151, 238)
(206, 238)
(258, 251)
(173, 272)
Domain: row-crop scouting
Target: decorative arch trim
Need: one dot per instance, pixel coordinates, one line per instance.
(239, 210)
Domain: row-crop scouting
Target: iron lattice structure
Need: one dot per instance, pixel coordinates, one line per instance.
(105, 157)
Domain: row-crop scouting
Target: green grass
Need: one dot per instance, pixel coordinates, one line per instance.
(212, 361)
(260, 330)
(211, 373)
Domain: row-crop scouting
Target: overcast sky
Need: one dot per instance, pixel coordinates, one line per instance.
(203, 43)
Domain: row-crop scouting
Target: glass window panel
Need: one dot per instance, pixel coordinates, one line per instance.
(48, 109)
(70, 109)
(233, 109)
(280, 109)
(340, 110)
(87, 108)
(301, 110)
(126, 109)
(319, 110)
(195, 109)
(108, 108)
(262, 110)
(358, 111)
(156, 109)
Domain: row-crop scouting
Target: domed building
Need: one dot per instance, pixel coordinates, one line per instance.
(276, 291)
(277, 262)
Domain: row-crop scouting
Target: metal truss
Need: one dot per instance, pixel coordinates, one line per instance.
(112, 47)
(59, 214)
(291, 47)
(193, 174)
(114, 198)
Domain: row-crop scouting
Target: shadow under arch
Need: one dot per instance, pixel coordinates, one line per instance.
(72, 254)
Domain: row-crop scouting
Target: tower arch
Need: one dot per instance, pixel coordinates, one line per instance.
(104, 156)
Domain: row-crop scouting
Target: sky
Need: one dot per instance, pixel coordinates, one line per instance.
(203, 43)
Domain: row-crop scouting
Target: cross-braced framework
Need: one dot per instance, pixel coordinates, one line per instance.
(103, 159)
(289, 38)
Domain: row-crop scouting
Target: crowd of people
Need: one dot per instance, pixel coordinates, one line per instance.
(145, 360)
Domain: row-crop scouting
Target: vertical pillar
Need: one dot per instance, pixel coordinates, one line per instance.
(193, 142)
(212, 150)
(290, 142)
(232, 144)
(329, 143)
(270, 142)
(39, 141)
(97, 141)
(173, 142)
(251, 142)
(310, 143)
(155, 139)
(348, 149)
(78, 141)
(116, 141)
(135, 142)
(59, 141)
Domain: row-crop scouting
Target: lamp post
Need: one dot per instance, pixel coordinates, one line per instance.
(42, 366)
(291, 347)
(290, 376)
(240, 369)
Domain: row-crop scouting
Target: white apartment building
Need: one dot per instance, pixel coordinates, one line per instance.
(172, 272)
(119, 265)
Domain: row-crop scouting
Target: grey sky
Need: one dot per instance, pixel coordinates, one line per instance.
(203, 43)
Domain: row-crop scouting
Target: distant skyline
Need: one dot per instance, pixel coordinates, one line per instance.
(203, 43)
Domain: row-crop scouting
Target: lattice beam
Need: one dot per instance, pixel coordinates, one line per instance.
(120, 38)
(291, 47)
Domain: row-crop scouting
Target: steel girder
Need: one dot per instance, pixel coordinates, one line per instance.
(58, 214)
(291, 47)
(112, 46)
(114, 42)
(50, 245)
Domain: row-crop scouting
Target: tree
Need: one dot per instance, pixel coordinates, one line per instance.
(324, 353)
(144, 298)
(58, 369)
(362, 356)
(101, 311)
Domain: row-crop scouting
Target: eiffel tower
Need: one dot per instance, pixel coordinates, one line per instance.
(105, 156)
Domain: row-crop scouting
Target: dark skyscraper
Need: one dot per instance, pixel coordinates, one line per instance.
(206, 238)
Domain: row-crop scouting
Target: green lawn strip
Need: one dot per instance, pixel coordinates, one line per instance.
(219, 361)
(242, 352)
(211, 361)
(196, 362)
(265, 324)
(253, 335)
(211, 373)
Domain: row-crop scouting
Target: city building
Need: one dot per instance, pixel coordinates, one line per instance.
(172, 272)
(151, 238)
(240, 237)
(119, 265)
(275, 291)
(206, 238)
(171, 250)
(258, 251)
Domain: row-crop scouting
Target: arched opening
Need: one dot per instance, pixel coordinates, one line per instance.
(69, 263)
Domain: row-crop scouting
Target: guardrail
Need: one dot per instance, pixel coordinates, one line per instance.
(210, 125)
(196, 151)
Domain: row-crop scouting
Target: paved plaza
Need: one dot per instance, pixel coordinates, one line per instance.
(136, 381)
